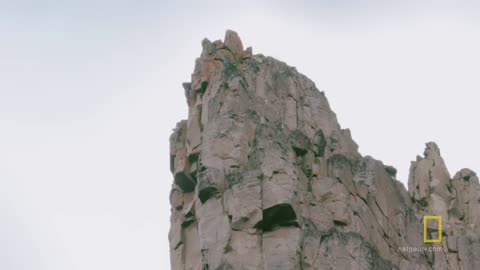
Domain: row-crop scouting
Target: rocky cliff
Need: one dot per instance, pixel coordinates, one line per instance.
(265, 178)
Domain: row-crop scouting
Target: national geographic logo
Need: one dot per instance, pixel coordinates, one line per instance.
(437, 219)
(434, 222)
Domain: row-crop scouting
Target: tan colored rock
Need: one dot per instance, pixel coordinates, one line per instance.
(280, 248)
(243, 200)
(265, 178)
(233, 42)
(465, 200)
(429, 182)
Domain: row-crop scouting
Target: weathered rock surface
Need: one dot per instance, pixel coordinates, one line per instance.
(265, 178)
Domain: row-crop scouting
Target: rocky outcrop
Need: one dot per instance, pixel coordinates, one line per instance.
(265, 178)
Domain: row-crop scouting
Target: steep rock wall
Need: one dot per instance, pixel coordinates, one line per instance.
(265, 178)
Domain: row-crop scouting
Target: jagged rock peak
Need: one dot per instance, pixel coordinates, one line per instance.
(265, 178)
(465, 174)
(232, 41)
(432, 150)
(428, 181)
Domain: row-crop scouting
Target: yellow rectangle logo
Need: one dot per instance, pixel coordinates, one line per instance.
(425, 220)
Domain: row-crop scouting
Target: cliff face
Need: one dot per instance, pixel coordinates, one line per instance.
(265, 178)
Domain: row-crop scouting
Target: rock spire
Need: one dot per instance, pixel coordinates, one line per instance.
(266, 178)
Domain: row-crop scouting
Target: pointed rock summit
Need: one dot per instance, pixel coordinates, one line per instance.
(266, 178)
(233, 42)
(429, 180)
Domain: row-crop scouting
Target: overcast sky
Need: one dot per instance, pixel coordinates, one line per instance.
(91, 89)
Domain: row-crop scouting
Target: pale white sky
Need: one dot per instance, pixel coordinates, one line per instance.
(90, 91)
